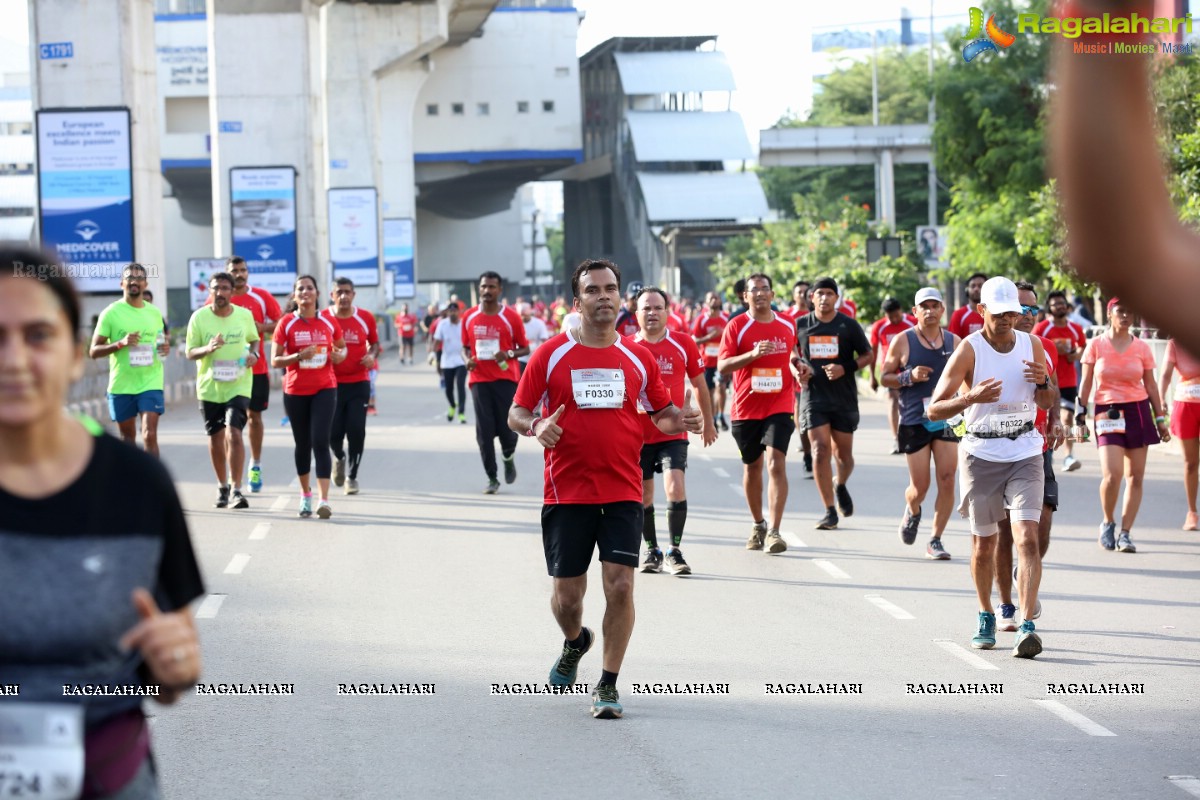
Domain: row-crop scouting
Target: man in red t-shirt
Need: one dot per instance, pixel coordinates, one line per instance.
(627, 324)
(406, 329)
(1069, 341)
(759, 349)
(967, 319)
(679, 362)
(353, 382)
(593, 480)
(893, 323)
(267, 314)
(493, 339)
(707, 333)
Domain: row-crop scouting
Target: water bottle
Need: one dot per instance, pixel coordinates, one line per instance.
(502, 361)
(958, 424)
(159, 341)
(243, 357)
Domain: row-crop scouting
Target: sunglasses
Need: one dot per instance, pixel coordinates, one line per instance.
(1030, 309)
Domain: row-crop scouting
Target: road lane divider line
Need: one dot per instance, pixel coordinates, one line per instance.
(737, 488)
(705, 456)
(720, 473)
(831, 569)
(958, 651)
(260, 530)
(1073, 717)
(280, 503)
(792, 539)
(1189, 783)
(888, 607)
(209, 606)
(237, 564)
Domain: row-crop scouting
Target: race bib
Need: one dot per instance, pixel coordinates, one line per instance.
(712, 350)
(141, 355)
(41, 750)
(1009, 419)
(1105, 425)
(598, 388)
(225, 371)
(1187, 391)
(486, 349)
(974, 327)
(823, 347)
(768, 380)
(318, 360)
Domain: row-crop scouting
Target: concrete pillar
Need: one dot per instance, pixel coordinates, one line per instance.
(887, 189)
(112, 64)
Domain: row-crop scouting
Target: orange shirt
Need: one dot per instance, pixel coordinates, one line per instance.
(1117, 377)
(1187, 390)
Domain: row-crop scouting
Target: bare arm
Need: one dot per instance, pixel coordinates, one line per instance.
(958, 374)
(701, 395)
(1164, 383)
(101, 347)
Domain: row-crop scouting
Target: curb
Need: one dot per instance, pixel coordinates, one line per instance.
(97, 409)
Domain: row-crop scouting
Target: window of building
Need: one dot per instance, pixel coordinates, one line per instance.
(431, 110)
(522, 106)
(457, 109)
(562, 72)
(548, 106)
(483, 109)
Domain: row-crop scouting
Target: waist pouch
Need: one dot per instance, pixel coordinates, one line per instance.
(114, 752)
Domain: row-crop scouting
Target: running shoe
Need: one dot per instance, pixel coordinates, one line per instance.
(985, 637)
(450, 415)
(339, 472)
(652, 560)
(510, 469)
(606, 702)
(676, 564)
(492, 487)
(1125, 544)
(565, 669)
(757, 534)
(256, 479)
(724, 424)
(775, 543)
(808, 473)
(1071, 463)
(1027, 644)
(1037, 610)
(910, 526)
(1190, 521)
(1008, 617)
(283, 423)
(323, 510)
(222, 497)
(237, 500)
(351, 485)
(305, 506)
(1108, 535)
(462, 418)
(828, 522)
(935, 551)
(845, 504)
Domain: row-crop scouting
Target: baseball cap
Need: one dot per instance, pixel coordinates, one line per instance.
(633, 288)
(928, 293)
(999, 295)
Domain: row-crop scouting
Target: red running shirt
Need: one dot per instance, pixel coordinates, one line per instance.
(712, 347)
(882, 332)
(1068, 378)
(598, 458)
(678, 361)
(487, 336)
(293, 334)
(964, 322)
(265, 309)
(766, 386)
(1052, 367)
(360, 333)
(406, 326)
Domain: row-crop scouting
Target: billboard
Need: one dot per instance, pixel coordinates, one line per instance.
(85, 193)
(398, 256)
(199, 271)
(354, 235)
(931, 246)
(262, 209)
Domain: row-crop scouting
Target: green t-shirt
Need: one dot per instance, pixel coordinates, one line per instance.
(136, 369)
(219, 376)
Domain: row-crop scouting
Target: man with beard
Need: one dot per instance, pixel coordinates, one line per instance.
(1069, 342)
(967, 320)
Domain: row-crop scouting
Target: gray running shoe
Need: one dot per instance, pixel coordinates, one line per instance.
(1125, 544)
(910, 526)
(351, 485)
(492, 487)
(757, 534)
(1027, 644)
(236, 500)
(1108, 535)
(935, 551)
(339, 472)
(652, 560)
(775, 543)
(675, 563)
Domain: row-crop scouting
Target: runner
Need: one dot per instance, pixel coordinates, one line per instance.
(801, 305)
(493, 337)
(353, 382)
(130, 333)
(914, 364)
(595, 381)
(1185, 419)
(406, 328)
(707, 332)
(1002, 375)
(627, 324)
(967, 319)
(535, 332)
(758, 349)
(1120, 369)
(834, 348)
(447, 334)
(307, 345)
(679, 362)
(1070, 342)
(266, 311)
(893, 323)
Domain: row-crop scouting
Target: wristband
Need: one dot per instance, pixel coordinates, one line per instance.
(1043, 385)
(531, 432)
(905, 377)
(1160, 420)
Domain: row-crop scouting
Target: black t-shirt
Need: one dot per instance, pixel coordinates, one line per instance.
(839, 341)
(68, 566)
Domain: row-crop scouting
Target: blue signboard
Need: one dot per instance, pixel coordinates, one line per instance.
(56, 50)
(85, 193)
(398, 257)
(262, 208)
(229, 126)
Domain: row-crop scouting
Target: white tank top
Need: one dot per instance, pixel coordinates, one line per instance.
(1003, 431)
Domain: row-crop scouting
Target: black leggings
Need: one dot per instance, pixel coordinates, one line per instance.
(350, 422)
(311, 416)
(493, 399)
(453, 376)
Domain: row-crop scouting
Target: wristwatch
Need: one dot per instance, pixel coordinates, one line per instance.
(1043, 385)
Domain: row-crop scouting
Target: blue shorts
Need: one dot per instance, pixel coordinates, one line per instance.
(126, 406)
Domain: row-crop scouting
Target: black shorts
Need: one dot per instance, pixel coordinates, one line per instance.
(710, 377)
(915, 438)
(260, 393)
(754, 436)
(218, 415)
(1050, 492)
(1069, 395)
(662, 456)
(843, 421)
(570, 532)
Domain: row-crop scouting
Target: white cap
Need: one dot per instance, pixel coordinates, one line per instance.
(999, 295)
(928, 293)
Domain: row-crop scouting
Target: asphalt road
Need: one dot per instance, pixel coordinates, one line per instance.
(422, 581)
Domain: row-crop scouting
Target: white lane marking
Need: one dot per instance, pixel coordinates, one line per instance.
(237, 564)
(792, 539)
(1189, 783)
(295, 484)
(705, 456)
(737, 488)
(261, 530)
(280, 503)
(720, 473)
(209, 607)
(831, 568)
(958, 651)
(890, 608)
(1075, 718)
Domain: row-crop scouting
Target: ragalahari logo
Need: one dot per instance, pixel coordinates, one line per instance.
(979, 42)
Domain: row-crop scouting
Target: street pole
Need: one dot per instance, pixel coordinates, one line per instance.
(533, 255)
